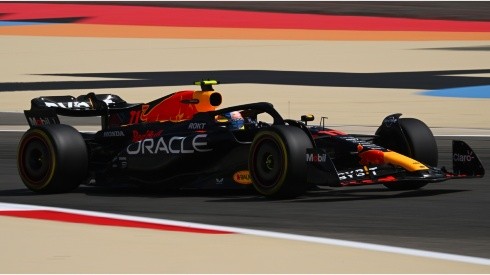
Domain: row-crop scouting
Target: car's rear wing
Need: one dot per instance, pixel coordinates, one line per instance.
(80, 103)
(45, 110)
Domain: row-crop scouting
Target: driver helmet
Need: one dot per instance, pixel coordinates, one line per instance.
(236, 120)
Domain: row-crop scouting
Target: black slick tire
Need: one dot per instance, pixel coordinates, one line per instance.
(416, 141)
(277, 162)
(52, 158)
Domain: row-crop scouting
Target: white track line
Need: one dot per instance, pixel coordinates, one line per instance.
(261, 233)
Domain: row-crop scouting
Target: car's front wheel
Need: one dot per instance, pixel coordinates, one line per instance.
(416, 141)
(277, 161)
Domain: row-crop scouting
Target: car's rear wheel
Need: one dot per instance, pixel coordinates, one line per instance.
(415, 140)
(277, 161)
(52, 159)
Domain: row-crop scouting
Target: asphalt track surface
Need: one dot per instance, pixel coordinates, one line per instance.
(448, 217)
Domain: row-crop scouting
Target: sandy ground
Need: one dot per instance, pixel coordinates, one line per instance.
(343, 106)
(31, 246)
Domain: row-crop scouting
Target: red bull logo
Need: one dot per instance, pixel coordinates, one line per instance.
(137, 136)
(179, 106)
(171, 108)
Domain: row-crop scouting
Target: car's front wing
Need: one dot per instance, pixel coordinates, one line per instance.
(322, 171)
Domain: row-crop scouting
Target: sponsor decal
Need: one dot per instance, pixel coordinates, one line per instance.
(468, 157)
(114, 134)
(174, 145)
(242, 177)
(42, 120)
(357, 173)
(197, 126)
(315, 157)
(149, 134)
(74, 104)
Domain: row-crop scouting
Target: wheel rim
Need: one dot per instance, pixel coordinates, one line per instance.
(36, 161)
(267, 160)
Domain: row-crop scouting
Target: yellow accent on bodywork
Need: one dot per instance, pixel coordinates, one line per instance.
(206, 82)
(403, 161)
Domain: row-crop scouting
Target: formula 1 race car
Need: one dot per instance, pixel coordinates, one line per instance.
(183, 141)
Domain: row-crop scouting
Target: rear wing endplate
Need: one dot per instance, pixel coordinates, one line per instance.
(41, 117)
